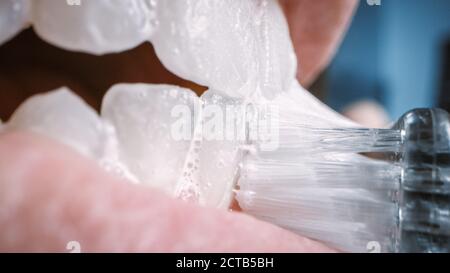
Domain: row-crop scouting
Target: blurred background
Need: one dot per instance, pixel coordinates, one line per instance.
(396, 54)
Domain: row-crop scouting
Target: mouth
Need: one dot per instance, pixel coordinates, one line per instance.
(78, 83)
(119, 57)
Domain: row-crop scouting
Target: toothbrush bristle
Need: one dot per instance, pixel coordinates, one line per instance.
(319, 185)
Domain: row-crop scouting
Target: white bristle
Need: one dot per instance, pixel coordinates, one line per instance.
(317, 184)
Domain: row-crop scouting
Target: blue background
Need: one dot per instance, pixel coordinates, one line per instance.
(392, 54)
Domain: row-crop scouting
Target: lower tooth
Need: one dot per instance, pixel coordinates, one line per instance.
(63, 116)
(144, 116)
(219, 153)
(152, 134)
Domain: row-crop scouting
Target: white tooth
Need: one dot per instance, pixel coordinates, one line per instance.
(63, 116)
(143, 118)
(97, 27)
(236, 47)
(219, 154)
(14, 16)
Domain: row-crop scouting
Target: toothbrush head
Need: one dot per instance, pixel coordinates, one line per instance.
(424, 196)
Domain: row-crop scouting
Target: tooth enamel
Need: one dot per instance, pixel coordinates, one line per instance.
(219, 157)
(191, 167)
(143, 119)
(97, 27)
(63, 116)
(14, 16)
(236, 47)
(139, 137)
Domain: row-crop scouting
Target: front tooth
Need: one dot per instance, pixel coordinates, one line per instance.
(143, 119)
(97, 27)
(63, 116)
(223, 129)
(236, 47)
(14, 16)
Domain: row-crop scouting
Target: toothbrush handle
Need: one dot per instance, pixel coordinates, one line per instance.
(424, 196)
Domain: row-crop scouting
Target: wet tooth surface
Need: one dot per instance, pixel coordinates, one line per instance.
(97, 27)
(219, 154)
(235, 47)
(63, 116)
(14, 15)
(150, 126)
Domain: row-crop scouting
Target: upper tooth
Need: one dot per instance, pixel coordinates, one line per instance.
(235, 47)
(13, 17)
(98, 27)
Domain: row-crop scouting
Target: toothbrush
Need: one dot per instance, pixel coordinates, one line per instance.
(320, 184)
